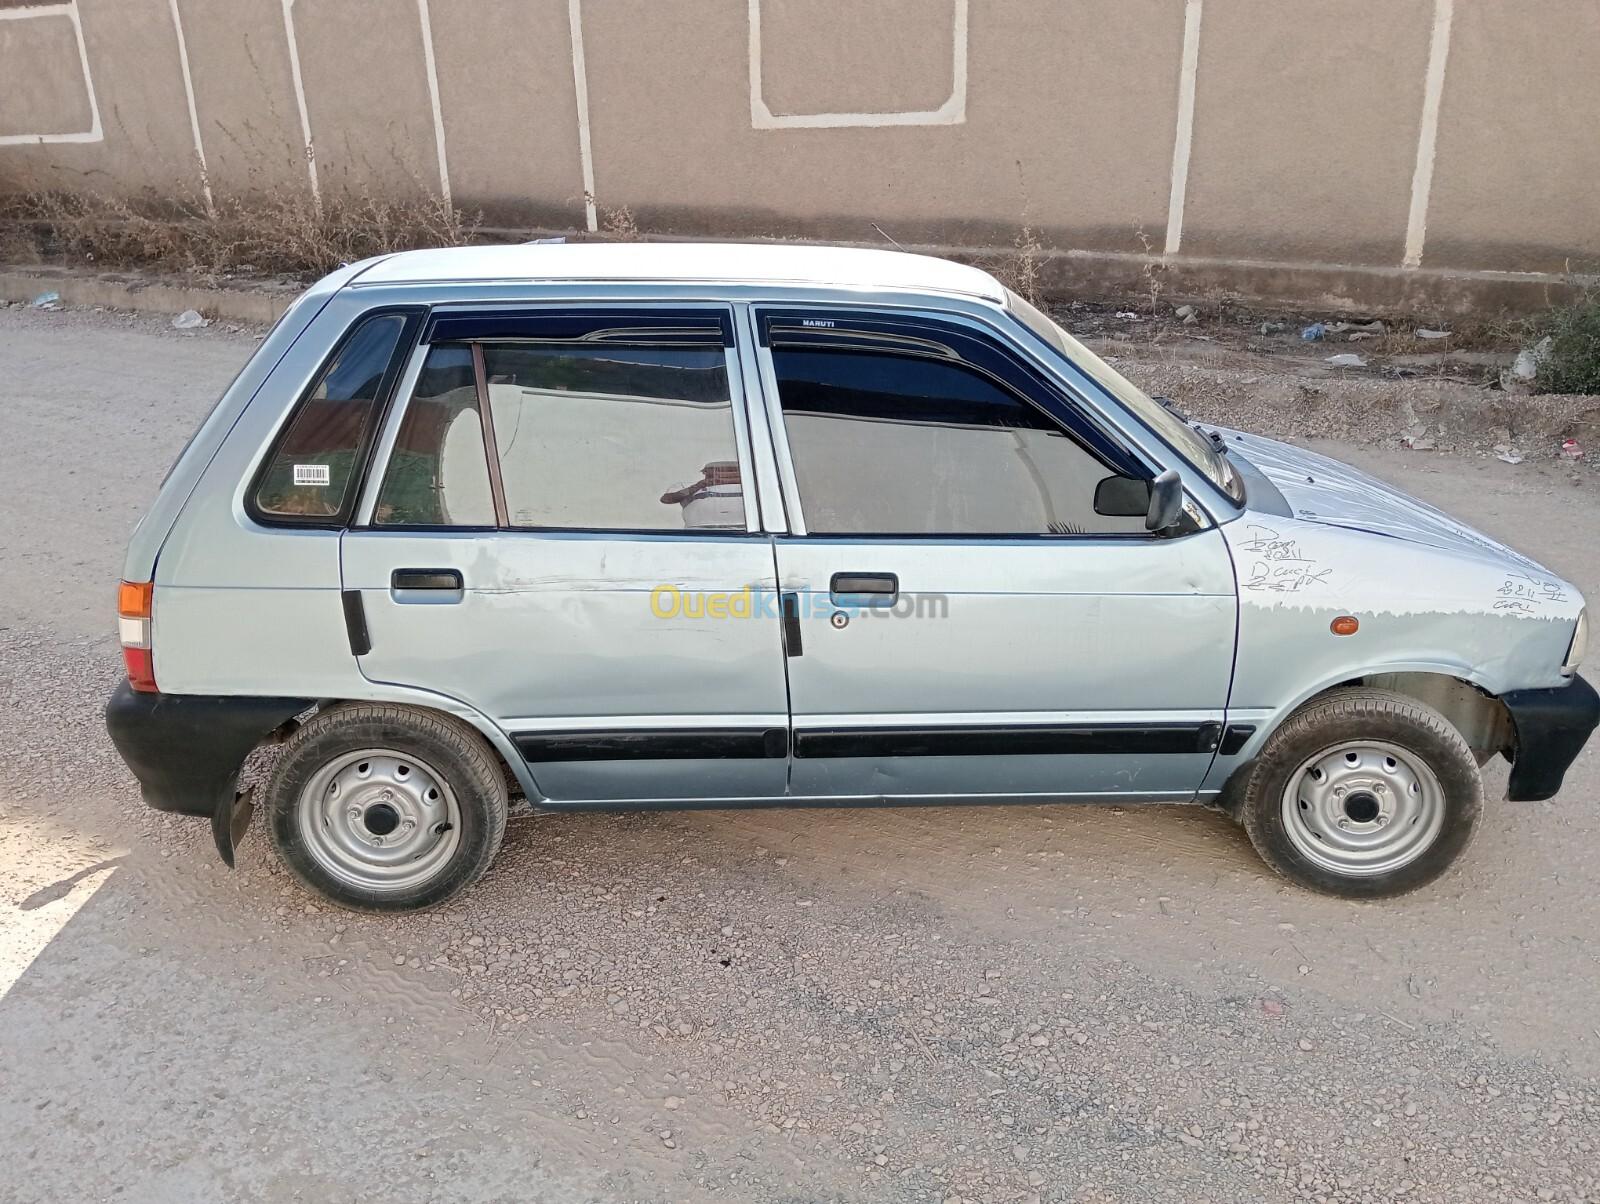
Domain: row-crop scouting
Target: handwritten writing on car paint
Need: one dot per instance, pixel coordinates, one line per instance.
(1280, 566)
(1522, 594)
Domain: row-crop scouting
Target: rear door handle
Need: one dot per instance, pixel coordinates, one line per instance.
(864, 589)
(435, 579)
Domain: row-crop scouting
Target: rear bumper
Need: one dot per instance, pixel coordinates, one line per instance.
(187, 749)
(1552, 727)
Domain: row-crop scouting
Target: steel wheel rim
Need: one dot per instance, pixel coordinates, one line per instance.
(1363, 808)
(379, 820)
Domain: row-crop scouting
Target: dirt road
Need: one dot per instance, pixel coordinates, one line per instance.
(980, 1004)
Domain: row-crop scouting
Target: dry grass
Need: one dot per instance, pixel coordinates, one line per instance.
(1022, 269)
(617, 223)
(1152, 273)
(284, 231)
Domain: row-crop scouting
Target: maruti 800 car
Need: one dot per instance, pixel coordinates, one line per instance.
(653, 526)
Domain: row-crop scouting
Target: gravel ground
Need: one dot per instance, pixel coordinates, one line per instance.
(968, 1004)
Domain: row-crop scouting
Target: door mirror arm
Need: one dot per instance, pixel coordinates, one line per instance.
(1166, 502)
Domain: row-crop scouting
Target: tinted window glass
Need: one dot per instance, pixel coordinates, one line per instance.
(608, 437)
(310, 473)
(887, 444)
(438, 474)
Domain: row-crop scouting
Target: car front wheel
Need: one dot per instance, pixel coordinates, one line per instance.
(1363, 793)
(386, 808)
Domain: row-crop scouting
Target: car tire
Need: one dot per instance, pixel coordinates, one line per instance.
(1386, 795)
(386, 808)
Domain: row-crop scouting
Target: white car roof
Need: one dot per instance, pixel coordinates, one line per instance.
(847, 267)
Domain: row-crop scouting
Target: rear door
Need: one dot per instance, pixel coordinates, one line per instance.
(559, 535)
(967, 622)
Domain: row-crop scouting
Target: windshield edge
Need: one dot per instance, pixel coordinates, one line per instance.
(1180, 436)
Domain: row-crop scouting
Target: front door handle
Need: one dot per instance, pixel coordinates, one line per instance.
(437, 579)
(864, 589)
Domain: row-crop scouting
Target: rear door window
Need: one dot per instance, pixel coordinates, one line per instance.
(615, 438)
(570, 423)
(437, 475)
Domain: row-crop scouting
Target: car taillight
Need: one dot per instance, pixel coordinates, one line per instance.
(133, 630)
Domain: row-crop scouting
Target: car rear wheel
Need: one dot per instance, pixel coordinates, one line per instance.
(386, 808)
(1363, 793)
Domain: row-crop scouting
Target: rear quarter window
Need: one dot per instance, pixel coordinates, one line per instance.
(311, 473)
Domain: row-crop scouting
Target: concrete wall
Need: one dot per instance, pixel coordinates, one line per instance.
(1370, 152)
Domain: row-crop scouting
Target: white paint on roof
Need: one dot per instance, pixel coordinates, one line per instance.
(847, 267)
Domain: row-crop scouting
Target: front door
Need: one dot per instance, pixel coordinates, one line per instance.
(966, 622)
(559, 535)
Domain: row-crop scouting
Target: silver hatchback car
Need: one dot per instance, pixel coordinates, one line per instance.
(649, 526)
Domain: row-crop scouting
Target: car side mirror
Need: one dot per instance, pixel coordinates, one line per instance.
(1122, 497)
(1166, 502)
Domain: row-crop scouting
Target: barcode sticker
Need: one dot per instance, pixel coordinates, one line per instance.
(311, 474)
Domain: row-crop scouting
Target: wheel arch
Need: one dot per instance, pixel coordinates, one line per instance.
(1481, 717)
(1470, 706)
(511, 763)
(1456, 691)
(518, 779)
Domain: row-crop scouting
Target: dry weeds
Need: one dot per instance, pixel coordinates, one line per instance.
(1022, 269)
(1153, 273)
(284, 231)
(617, 223)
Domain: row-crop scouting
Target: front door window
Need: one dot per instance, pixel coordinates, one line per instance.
(892, 444)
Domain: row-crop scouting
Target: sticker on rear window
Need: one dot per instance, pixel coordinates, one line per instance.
(311, 474)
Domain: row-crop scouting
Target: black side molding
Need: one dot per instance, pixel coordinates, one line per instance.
(1002, 741)
(1236, 737)
(355, 622)
(655, 744)
(186, 749)
(790, 605)
(1552, 726)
